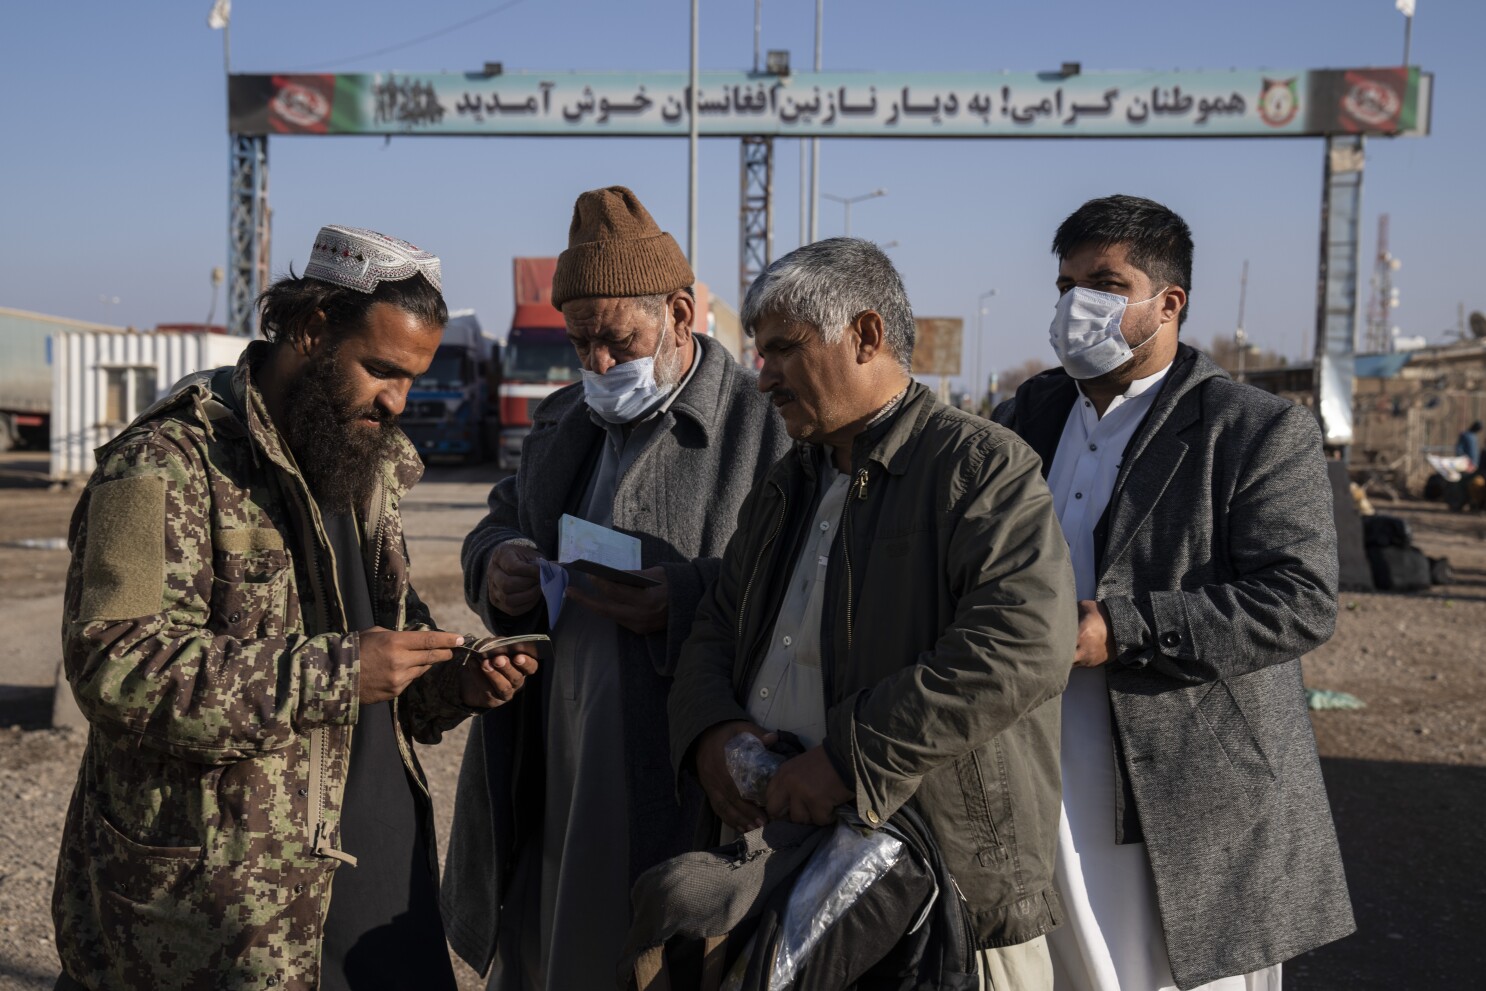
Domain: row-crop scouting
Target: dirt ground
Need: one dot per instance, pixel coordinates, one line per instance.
(1406, 775)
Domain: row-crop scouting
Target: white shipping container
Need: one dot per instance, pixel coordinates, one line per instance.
(102, 380)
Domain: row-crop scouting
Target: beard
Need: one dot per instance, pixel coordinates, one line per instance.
(1126, 373)
(668, 370)
(339, 456)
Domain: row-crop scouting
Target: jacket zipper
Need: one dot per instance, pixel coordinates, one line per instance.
(322, 845)
(858, 494)
(320, 835)
(778, 525)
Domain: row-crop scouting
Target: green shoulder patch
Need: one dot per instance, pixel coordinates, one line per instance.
(124, 563)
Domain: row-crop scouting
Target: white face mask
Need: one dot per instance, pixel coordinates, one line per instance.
(626, 392)
(1085, 332)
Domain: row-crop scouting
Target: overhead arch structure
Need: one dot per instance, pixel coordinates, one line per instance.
(1341, 106)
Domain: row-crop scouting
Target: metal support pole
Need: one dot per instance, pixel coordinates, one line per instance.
(691, 111)
(247, 231)
(804, 192)
(1240, 336)
(1336, 291)
(755, 211)
(981, 391)
(815, 142)
(758, 24)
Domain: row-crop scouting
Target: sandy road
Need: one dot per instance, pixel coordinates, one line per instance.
(1406, 775)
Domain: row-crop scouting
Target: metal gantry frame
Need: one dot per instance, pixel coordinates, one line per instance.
(247, 231)
(755, 211)
(1336, 290)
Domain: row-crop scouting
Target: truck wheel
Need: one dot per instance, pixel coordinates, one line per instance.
(9, 437)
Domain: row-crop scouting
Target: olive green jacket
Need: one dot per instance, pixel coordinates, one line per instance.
(204, 639)
(946, 641)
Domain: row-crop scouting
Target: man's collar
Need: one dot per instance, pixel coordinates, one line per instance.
(1135, 390)
(700, 396)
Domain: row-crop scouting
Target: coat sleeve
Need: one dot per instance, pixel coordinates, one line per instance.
(1282, 547)
(686, 582)
(1006, 652)
(501, 524)
(176, 641)
(433, 704)
(689, 581)
(702, 692)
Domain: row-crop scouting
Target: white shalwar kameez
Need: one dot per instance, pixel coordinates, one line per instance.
(1111, 939)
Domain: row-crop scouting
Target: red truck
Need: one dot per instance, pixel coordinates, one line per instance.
(536, 360)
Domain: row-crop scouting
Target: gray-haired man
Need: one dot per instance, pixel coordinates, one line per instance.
(897, 595)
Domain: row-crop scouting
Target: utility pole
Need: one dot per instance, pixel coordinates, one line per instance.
(1384, 295)
(1406, 7)
(847, 201)
(815, 142)
(1240, 338)
(691, 205)
(758, 24)
(980, 381)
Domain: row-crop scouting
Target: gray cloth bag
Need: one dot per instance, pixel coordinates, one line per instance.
(706, 894)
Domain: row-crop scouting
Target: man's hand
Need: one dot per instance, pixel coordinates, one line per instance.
(639, 610)
(806, 789)
(511, 581)
(1096, 643)
(392, 660)
(712, 771)
(495, 677)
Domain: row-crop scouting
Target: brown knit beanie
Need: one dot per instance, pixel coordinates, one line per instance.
(615, 248)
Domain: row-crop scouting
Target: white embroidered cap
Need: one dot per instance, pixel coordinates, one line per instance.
(361, 259)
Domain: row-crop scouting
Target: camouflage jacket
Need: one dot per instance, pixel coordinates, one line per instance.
(204, 639)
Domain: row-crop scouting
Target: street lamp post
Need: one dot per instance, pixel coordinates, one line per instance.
(980, 317)
(847, 201)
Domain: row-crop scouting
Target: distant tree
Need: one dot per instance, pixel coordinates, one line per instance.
(1013, 377)
(1224, 351)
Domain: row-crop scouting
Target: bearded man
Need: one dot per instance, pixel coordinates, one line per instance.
(241, 634)
(566, 797)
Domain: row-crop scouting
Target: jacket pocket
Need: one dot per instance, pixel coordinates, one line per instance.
(1220, 713)
(988, 847)
(147, 900)
(249, 593)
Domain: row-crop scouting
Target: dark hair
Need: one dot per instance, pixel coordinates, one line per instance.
(289, 304)
(1159, 242)
(1474, 428)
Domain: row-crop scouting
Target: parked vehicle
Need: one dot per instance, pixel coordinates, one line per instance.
(26, 374)
(451, 409)
(537, 359)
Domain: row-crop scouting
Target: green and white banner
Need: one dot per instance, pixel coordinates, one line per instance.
(1237, 103)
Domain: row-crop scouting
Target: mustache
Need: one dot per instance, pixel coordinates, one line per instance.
(780, 396)
(374, 413)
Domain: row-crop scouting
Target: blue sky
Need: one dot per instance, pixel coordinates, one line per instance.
(115, 152)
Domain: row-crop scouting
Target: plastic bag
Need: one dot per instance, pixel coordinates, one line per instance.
(849, 862)
(751, 765)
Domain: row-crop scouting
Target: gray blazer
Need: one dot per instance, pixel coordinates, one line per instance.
(1217, 563)
(680, 497)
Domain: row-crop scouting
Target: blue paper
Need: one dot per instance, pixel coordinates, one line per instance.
(554, 580)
